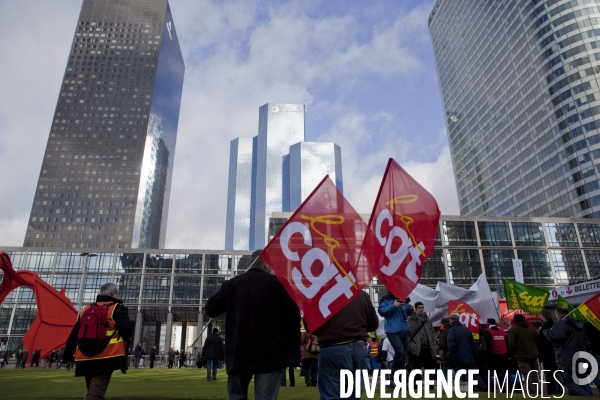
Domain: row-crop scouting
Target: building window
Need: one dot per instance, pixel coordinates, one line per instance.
(589, 235)
(561, 235)
(494, 233)
(464, 266)
(434, 269)
(498, 265)
(528, 234)
(568, 266)
(536, 266)
(459, 233)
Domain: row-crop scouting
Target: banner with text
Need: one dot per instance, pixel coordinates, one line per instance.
(467, 316)
(316, 254)
(524, 297)
(591, 310)
(403, 223)
(562, 302)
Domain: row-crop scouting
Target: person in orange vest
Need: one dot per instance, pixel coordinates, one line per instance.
(117, 331)
(373, 353)
(496, 340)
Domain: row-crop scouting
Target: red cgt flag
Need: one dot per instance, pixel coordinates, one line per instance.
(467, 316)
(403, 223)
(315, 254)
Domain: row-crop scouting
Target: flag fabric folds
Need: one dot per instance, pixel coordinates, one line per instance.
(316, 254)
(562, 302)
(590, 310)
(402, 231)
(467, 316)
(524, 297)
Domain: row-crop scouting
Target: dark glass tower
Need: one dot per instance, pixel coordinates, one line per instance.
(106, 175)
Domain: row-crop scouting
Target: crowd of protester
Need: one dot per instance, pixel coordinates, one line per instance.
(259, 310)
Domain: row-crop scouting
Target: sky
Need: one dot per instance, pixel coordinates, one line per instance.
(365, 71)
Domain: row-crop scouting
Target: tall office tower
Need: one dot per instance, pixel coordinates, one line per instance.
(239, 194)
(279, 126)
(309, 163)
(519, 85)
(106, 176)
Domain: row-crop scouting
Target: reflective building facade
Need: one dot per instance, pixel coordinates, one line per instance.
(239, 194)
(519, 85)
(274, 171)
(309, 163)
(279, 126)
(166, 290)
(106, 176)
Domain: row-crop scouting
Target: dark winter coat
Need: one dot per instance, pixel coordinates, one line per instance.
(259, 310)
(138, 351)
(414, 344)
(213, 347)
(443, 344)
(545, 347)
(152, 354)
(461, 345)
(105, 365)
(351, 323)
(522, 341)
(569, 336)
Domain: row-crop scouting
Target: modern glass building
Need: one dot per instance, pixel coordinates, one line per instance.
(519, 86)
(166, 290)
(274, 171)
(279, 126)
(106, 175)
(239, 194)
(309, 163)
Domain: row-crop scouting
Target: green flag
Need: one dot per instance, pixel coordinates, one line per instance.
(523, 297)
(562, 302)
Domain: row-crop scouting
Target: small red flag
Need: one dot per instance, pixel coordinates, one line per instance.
(403, 223)
(467, 316)
(316, 254)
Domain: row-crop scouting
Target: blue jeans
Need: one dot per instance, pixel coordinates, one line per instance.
(266, 384)
(573, 388)
(211, 363)
(332, 359)
(399, 342)
(374, 364)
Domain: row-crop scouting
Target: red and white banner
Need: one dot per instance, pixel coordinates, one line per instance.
(316, 254)
(403, 224)
(467, 316)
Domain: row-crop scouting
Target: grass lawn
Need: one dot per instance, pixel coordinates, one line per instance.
(140, 383)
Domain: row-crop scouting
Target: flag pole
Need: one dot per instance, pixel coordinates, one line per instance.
(210, 320)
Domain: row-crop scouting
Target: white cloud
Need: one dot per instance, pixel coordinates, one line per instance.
(239, 55)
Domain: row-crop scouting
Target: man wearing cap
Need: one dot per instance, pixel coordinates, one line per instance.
(461, 345)
(522, 342)
(259, 310)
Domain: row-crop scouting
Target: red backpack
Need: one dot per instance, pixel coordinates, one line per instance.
(91, 338)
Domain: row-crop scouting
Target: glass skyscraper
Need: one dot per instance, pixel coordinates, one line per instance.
(279, 127)
(519, 85)
(309, 163)
(274, 171)
(239, 194)
(106, 176)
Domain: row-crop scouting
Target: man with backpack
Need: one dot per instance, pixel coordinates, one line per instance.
(99, 341)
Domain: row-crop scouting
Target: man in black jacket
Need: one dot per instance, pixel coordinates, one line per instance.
(259, 311)
(546, 351)
(98, 368)
(569, 337)
(461, 345)
(152, 356)
(343, 340)
(212, 353)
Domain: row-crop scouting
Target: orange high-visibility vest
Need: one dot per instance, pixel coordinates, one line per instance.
(374, 349)
(116, 346)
